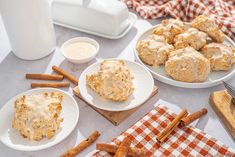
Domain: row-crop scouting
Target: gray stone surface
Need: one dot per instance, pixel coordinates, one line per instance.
(12, 82)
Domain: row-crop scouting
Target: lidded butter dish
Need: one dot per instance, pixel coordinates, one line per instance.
(106, 18)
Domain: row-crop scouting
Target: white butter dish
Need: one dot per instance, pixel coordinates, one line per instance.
(106, 18)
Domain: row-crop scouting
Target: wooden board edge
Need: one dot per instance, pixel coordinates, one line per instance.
(155, 91)
(97, 110)
(229, 128)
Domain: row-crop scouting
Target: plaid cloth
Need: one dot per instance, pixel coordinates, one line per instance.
(187, 141)
(222, 11)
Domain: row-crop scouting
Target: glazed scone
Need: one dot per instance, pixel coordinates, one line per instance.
(221, 56)
(169, 28)
(112, 81)
(187, 65)
(38, 116)
(207, 25)
(154, 50)
(191, 37)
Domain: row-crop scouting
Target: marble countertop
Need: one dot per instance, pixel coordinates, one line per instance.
(12, 82)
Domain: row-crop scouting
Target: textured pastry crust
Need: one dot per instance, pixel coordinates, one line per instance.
(169, 28)
(38, 116)
(221, 56)
(187, 65)
(113, 80)
(191, 37)
(154, 50)
(207, 25)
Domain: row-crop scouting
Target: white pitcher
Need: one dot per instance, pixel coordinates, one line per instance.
(29, 27)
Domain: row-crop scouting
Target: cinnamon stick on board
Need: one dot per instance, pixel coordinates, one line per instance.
(81, 146)
(50, 84)
(134, 152)
(123, 148)
(192, 117)
(166, 132)
(65, 74)
(44, 76)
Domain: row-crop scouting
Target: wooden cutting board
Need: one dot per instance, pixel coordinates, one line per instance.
(223, 105)
(115, 117)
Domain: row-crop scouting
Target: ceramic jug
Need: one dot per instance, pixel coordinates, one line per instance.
(29, 26)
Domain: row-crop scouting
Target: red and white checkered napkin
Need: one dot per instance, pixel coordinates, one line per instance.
(187, 141)
(222, 11)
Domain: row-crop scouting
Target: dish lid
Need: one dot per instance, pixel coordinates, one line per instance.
(111, 7)
(108, 17)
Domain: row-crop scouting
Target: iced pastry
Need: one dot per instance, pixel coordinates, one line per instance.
(187, 65)
(221, 56)
(38, 116)
(154, 50)
(112, 81)
(191, 37)
(207, 25)
(169, 28)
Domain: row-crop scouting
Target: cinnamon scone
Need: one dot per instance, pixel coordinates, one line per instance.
(221, 56)
(112, 81)
(187, 65)
(38, 115)
(207, 25)
(169, 28)
(154, 50)
(191, 37)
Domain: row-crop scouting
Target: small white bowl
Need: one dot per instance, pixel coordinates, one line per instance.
(79, 39)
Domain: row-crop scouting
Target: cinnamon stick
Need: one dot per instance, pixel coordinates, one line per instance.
(192, 117)
(166, 132)
(44, 76)
(123, 148)
(134, 152)
(65, 74)
(49, 84)
(81, 146)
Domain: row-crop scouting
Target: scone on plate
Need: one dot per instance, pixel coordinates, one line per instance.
(207, 25)
(154, 50)
(191, 37)
(38, 116)
(221, 56)
(169, 28)
(112, 81)
(187, 65)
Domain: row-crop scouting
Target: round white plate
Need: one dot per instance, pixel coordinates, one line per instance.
(13, 139)
(143, 83)
(214, 78)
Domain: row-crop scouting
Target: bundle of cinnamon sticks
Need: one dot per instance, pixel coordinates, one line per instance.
(182, 119)
(122, 150)
(61, 75)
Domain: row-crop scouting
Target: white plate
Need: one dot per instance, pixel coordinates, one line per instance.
(13, 139)
(143, 83)
(214, 78)
(132, 19)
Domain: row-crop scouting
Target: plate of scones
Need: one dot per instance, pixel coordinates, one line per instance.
(115, 85)
(38, 119)
(190, 55)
